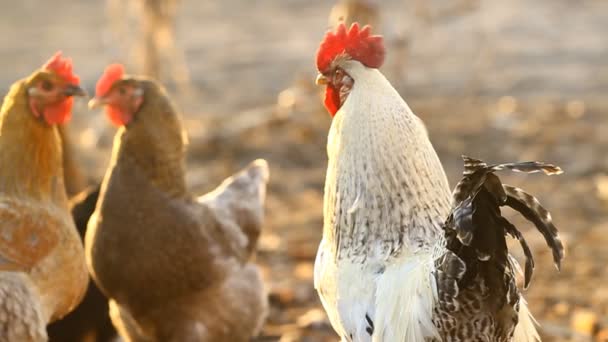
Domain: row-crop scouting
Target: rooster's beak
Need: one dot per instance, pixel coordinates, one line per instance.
(96, 103)
(74, 90)
(321, 80)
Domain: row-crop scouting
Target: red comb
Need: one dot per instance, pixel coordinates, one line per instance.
(113, 73)
(358, 44)
(62, 67)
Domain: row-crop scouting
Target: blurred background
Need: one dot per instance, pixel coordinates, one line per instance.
(492, 79)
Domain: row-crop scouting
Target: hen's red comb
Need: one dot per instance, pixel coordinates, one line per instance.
(111, 74)
(358, 44)
(62, 67)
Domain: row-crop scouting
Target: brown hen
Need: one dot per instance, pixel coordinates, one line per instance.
(176, 267)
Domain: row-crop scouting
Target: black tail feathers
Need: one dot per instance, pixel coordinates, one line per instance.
(476, 230)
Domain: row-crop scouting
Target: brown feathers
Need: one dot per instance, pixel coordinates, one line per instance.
(193, 254)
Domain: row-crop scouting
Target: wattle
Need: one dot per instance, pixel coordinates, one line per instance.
(60, 113)
(117, 116)
(332, 100)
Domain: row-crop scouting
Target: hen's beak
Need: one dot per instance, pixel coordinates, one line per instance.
(96, 103)
(321, 80)
(74, 90)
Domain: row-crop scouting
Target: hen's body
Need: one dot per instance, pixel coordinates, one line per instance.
(41, 254)
(176, 267)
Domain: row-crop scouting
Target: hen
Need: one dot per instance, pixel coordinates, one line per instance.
(176, 267)
(43, 274)
(400, 259)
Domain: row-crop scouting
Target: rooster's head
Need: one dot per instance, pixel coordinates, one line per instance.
(337, 52)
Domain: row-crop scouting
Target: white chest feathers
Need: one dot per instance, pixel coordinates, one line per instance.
(385, 188)
(376, 300)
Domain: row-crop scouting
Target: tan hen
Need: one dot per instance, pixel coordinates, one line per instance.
(42, 269)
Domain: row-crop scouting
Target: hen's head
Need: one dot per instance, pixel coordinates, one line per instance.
(50, 90)
(122, 96)
(337, 50)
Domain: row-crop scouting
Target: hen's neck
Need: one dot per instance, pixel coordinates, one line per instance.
(30, 151)
(155, 145)
(386, 191)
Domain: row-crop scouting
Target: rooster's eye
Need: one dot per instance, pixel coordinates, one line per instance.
(47, 85)
(122, 91)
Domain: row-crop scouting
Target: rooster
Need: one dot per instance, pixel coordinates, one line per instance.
(175, 267)
(401, 258)
(43, 275)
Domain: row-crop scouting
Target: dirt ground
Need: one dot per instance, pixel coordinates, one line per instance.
(500, 81)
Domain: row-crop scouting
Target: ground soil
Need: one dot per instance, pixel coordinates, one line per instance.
(500, 81)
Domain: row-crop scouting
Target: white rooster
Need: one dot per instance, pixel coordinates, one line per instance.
(402, 259)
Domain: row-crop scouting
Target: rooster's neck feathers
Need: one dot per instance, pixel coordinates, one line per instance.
(385, 189)
(31, 158)
(155, 142)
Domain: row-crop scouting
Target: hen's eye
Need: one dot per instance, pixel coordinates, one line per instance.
(122, 91)
(47, 85)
